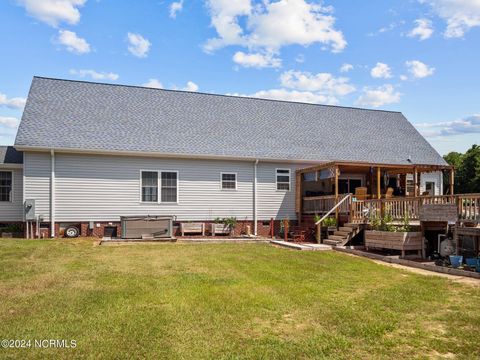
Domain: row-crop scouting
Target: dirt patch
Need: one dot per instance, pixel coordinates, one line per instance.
(457, 279)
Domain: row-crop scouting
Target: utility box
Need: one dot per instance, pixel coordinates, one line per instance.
(30, 210)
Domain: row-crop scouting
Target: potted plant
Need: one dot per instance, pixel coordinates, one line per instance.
(224, 226)
(385, 235)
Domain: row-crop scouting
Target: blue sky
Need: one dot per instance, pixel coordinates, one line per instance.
(420, 57)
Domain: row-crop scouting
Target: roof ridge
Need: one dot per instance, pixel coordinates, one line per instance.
(214, 94)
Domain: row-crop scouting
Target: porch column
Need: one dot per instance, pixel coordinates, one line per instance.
(298, 196)
(415, 182)
(379, 194)
(452, 181)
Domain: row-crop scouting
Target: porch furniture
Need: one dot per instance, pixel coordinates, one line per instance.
(389, 193)
(192, 228)
(361, 193)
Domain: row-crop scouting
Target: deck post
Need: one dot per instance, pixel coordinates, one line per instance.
(336, 194)
(452, 181)
(318, 233)
(379, 194)
(415, 182)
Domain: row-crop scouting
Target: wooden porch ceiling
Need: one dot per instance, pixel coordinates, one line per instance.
(364, 167)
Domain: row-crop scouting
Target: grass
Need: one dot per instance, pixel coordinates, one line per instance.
(228, 301)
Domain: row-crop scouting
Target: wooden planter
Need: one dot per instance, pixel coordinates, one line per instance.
(219, 229)
(192, 228)
(402, 241)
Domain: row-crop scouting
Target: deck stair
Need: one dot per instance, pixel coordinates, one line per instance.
(343, 235)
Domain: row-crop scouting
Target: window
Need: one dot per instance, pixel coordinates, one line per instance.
(5, 186)
(283, 179)
(169, 186)
(149, 186)
(229, 181)
(430, 188)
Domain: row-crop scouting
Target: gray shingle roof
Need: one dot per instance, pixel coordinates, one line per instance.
(65, 114)
(8, 155)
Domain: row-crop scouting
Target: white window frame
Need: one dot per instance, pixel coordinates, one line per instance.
(221, 180)
(289, 179)
(11, 187)
(160, 187)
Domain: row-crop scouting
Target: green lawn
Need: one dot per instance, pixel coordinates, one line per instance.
(215, 301)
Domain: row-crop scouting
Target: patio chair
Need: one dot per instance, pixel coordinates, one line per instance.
(361, 193)
(389, 193)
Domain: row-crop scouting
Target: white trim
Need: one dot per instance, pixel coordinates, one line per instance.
(11, 186)
(11, 166)
(168, 155)
(221, 180)
(178, 188)
(289, 179)
(158, 186)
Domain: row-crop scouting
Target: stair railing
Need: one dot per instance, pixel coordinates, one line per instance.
(318, 224)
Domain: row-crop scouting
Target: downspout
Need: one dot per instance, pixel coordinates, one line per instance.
(52, 194)
(255, 225)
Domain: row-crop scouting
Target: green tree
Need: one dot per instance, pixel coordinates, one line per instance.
(467, 176)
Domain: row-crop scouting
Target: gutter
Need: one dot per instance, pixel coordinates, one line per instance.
(255, 225)
(52, 194)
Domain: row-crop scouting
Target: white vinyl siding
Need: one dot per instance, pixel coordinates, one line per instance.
(13, 210)
(103, 188)
(36, 166)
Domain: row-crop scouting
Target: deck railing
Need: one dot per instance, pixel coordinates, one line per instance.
(398, 207)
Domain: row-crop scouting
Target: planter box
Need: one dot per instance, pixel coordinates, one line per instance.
(219, 229)
(192, 228)
(394, 240)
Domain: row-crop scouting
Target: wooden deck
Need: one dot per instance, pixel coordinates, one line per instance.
(359, 211)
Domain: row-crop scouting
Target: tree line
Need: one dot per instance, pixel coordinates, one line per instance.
(467, 170)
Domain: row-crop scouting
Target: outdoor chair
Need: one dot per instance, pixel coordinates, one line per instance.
(361, 193)
(389, 193)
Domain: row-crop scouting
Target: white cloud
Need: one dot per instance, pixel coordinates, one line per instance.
(72, 42)
(238, 22)
(153, 83)
(300, 58)
(256, 60)
(423, 30)
(157, 84)
(9, 122)
(12, 103)
(191, 86)
(53, 12)
(175, 7)
(323, 83)
(468, 125)
(292, 95)
(346, 68)
(94, 74)
(138, 45)
(418, 69)
(381, 71)
(460, 15)
(403, 77)
(379, 96)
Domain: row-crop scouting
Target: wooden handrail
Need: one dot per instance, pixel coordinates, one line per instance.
(333, 209)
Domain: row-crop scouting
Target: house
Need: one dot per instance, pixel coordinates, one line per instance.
(94, 152)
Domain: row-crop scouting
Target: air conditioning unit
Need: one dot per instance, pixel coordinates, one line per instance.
(147, 227)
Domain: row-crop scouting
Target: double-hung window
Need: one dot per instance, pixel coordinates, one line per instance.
(6, 186)
(229, 181)
(169, 184)
(283, 179)
(166, 181)
(149, 186)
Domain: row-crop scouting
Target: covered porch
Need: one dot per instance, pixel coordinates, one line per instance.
(366, 188)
